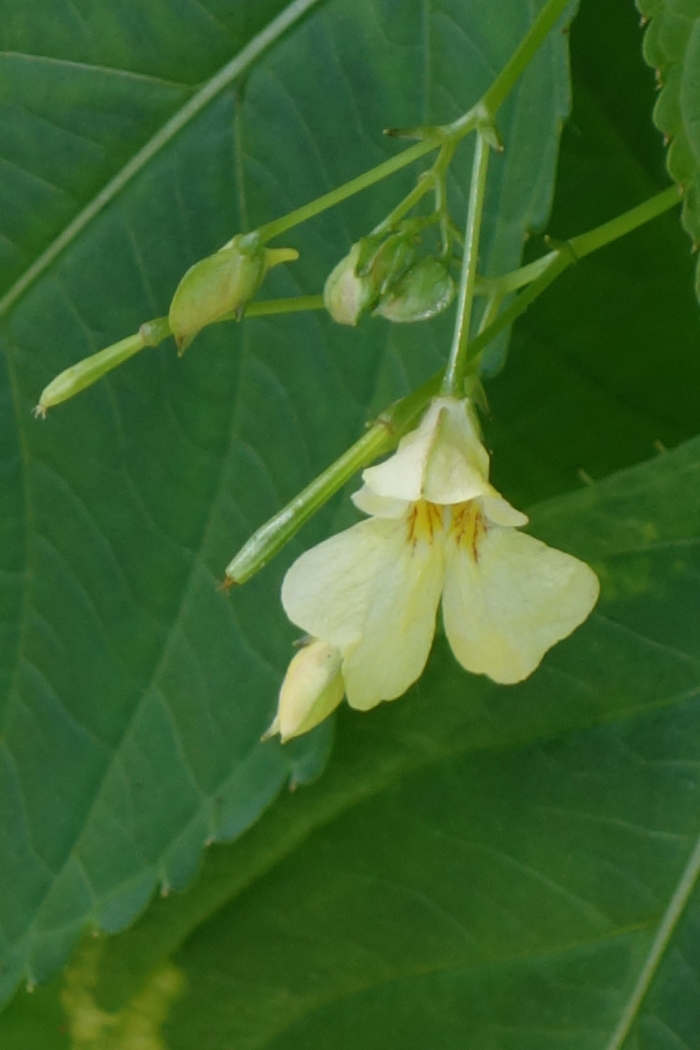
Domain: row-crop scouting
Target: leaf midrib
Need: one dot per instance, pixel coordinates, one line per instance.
(238, 65)
(666, 928)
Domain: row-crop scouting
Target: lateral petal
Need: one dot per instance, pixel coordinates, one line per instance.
(499, 511)
(504, 608)
(373, 591)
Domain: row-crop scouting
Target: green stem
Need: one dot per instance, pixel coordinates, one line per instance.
(493, 305)
(298, 304)
(430, 180)
(519, 305)
(511, 282)
(481, 114)
(348, 189)
(576, 248)
(454, 373)
(589, 242)
(523, 56)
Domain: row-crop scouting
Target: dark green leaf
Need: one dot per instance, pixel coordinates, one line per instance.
(133, 692)
(500, 867)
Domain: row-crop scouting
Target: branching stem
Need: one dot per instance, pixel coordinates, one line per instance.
(386, 432)
(483, 114)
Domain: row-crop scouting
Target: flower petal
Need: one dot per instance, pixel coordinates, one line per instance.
(442, 461)
(458, 464)
(504, 608)
(499, 511)
(372, 591)
(401, 475)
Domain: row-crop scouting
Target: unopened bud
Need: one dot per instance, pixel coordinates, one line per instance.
(312, 688)
(424, 291)
(368, 270)
(222, 284)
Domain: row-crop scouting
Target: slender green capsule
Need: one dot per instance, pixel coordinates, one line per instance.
(271, 537)
(88, 371)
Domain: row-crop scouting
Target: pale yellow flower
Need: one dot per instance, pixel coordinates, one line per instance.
(437, 529)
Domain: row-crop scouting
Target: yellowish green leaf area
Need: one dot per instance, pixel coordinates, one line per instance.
(137, 1025)
(137, 137)
(672, 48)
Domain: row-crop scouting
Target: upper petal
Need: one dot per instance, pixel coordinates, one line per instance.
(442, 461)
(401, 476)
(504, 608)
(458, 464)
(373, 592)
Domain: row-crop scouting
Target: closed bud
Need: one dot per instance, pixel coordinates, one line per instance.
(424, 291)
(312, 688)
(364, 274)
(221, 285)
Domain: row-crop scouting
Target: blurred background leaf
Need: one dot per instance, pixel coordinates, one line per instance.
(133, 692)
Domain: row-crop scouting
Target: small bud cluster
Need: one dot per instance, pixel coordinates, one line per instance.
(384, 275)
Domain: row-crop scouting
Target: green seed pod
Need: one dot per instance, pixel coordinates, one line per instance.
(424, 291)
(364, 274)
(221, 284)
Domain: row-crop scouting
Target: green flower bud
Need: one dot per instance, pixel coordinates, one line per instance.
(424, 291)
(222, 284)
(364, 274)
(345, 294)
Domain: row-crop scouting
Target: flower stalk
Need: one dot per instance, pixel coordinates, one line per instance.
(454, 373)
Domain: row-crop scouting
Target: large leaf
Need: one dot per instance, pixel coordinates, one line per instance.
(133, 692)
(475, 881)
(672, 47)
(500, 867)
